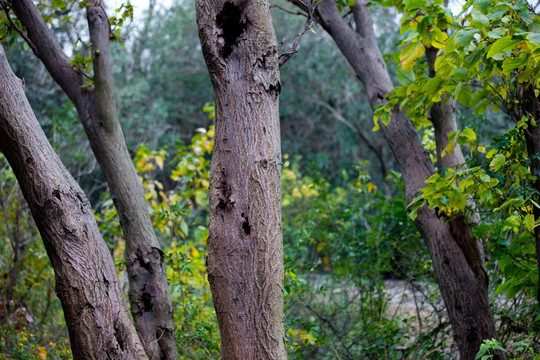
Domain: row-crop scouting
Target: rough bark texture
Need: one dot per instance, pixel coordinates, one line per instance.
(148, 292)
(462, 280)
(86, 281)
(530, 107)
(245, 254)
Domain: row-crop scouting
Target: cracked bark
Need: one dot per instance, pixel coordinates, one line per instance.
(148, 292)
(462, 282)
(245, 254)
(86, 281)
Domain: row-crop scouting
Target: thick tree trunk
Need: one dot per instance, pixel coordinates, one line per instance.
(86, 281)
(245, 254)
(148, 292)
(462, 280)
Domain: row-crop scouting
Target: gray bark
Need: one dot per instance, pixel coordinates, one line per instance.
(245, 253)
(148, 292)
(462, 280)
(86, 281)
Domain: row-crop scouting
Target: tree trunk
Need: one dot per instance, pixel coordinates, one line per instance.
(148, 292)
(462, 280)
(245, 251)
(530, 107)
(86, 281)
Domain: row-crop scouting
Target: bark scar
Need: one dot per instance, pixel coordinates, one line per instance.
(245, 225)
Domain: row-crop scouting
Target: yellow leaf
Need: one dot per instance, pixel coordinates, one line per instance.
(194, 251)
(529, 222)
(410, 53)
(321, 246)
(42, 352)
(159, 161)
(440, 41)
(326, 260)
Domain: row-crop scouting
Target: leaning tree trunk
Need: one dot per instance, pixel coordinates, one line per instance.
(462, 280)
(148, 291)
(245, 251)
(86, 281)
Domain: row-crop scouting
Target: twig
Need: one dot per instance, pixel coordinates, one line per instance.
(6, 9)
(284, 57)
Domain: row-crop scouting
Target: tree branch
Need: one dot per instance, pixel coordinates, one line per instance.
(283, 58)
(47, 49)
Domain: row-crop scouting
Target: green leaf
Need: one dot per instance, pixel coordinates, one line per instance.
(502, 45)
(464, 96)
(464, 37)
(479, 19)
(534, 38)
(432, 85)
(59, 4)
(467, 136)
(414, 4)
(498, 162)
(482, 5)
(510, 64)
(184, 227)
(497, 33)
(461, 74)
(405, 77)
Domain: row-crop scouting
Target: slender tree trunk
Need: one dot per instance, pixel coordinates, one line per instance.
(530, 106)
(245, 254)
(86, 281)
(462, 280)
(148, 292)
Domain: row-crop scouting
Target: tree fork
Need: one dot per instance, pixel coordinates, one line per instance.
(149, 297)
(86, 280)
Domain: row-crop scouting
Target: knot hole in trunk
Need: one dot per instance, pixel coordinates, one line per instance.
(231, 25)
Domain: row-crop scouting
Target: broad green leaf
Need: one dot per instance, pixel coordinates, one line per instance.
(497, 33)
(497, 13)
(59, 4)
(414, 4)
(482, 5)
(464, 96)
(479, 19)
(464, 37)
(410, 53)
(502, 288)
(498, 162)
(510, 64)
(502, 45)
(405, 77)
(534, 38)
(457, 201)
(461, 74)
(432, 85)
(467, 136)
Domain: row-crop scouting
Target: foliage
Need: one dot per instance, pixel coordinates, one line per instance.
(338, 250)
(20, 343)
(489, 62)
